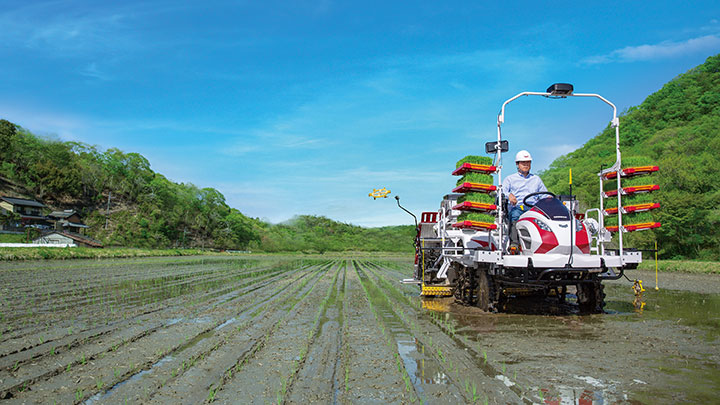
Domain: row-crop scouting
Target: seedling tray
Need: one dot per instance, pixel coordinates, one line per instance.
(480, 226)
(475, 206)
(631, 172)
(474, 187)
(632, 190)
(628, 209)
(474, 168)
(635, 227)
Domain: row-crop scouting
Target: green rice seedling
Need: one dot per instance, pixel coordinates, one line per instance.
(211, 394)
(476, 216)
(67, 369)
(477, 197)
(475, 178)
(16, 366)
(628, 219)
(631, 199)
(99, 383)
(480, 160)
(347, 378)
(631, 161)
(78, 395)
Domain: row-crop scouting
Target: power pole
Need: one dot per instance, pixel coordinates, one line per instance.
(107, 211)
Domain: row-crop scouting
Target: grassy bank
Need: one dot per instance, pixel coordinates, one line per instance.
(33, 253)
(12, 238)
(90, 253)
(681, 266)
(6, 254)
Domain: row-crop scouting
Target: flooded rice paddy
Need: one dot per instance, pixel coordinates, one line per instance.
(343, 330)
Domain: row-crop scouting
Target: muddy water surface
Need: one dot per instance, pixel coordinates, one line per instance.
(663, 350)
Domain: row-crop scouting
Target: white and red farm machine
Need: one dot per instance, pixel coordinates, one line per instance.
(559, 246)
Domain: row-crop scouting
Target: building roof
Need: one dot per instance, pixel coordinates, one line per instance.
(62, 214)
(76, 237)
(23, 202)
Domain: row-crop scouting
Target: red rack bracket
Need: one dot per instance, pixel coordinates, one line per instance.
(628, 209)
(474, 187)
(641, 227)
(481, 226)
(632, 190)
(632, 171)
(635, 227)
(474, 206)
(474, 168)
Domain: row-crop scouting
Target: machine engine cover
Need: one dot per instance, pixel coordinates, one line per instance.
(547, 227)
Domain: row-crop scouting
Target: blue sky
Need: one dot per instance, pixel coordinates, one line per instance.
(334, 98)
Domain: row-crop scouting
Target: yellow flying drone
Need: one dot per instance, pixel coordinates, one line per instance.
(379, 193)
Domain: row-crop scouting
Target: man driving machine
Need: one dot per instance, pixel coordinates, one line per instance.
(516, 186)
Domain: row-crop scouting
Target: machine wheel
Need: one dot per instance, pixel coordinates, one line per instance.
(483, 291)
(591, 297)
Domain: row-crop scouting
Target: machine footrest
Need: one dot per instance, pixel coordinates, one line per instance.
(475, 206)
(474, 188)
(481, 226)
(632, 190)
(474, 168)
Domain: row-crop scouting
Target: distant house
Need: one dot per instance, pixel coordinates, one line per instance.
(67, 220)
(28, 213)
(70, 238)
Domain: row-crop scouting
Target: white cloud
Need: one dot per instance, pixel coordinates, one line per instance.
(663, 50)
(92, 71)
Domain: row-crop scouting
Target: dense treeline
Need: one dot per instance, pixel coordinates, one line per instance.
(311, 233)
(678, 127)
(148, 210)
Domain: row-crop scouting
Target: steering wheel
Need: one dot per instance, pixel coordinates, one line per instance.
(525, 200)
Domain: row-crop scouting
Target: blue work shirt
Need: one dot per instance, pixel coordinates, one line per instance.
(520, 186)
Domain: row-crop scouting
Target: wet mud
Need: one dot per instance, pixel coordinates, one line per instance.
(263, 330)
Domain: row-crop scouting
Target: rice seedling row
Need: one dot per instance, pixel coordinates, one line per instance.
(467, 369)
(159, 342)
(284, 330)
(125, 312)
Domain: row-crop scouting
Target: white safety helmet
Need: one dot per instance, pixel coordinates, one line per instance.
(523, 156)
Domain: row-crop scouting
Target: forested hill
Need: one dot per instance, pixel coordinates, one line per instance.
(678, 127)
(148, 210)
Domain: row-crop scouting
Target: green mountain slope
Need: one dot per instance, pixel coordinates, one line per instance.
(148, 210)
(677, 127)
